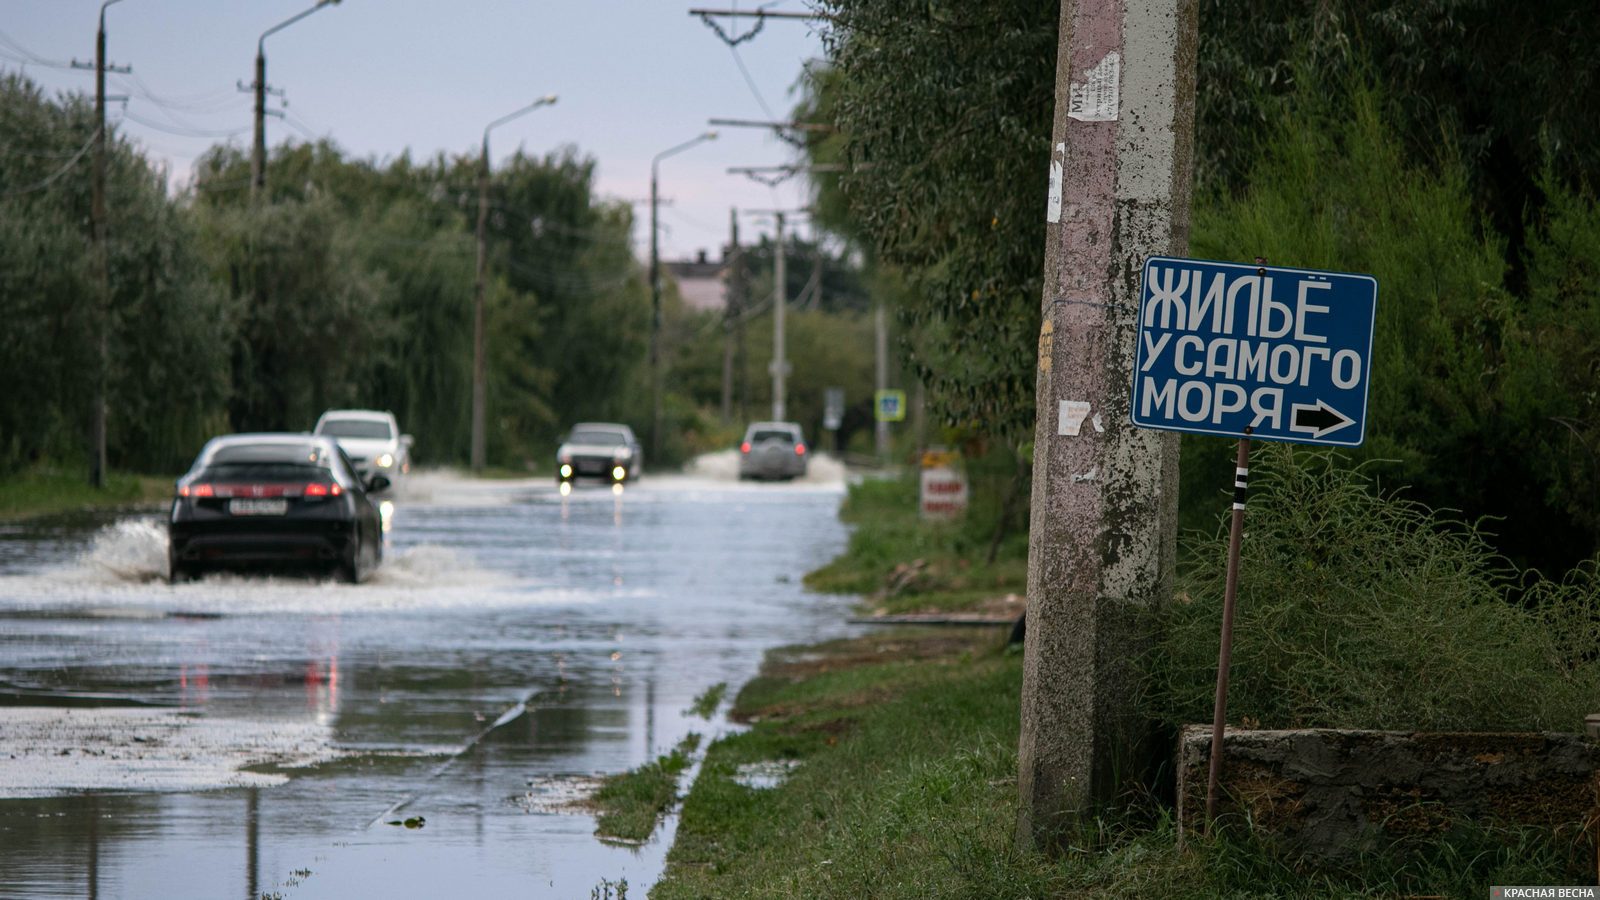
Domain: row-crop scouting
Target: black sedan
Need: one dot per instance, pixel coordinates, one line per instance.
(279, 500)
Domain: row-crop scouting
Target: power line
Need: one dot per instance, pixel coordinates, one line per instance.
(57, 173)
(29, 56)
(183, 132)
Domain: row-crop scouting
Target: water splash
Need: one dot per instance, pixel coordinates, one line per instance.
(128, 550)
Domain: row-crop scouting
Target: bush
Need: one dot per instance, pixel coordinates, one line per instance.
(1360, 609)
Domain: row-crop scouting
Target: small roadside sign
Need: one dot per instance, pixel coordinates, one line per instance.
(832, 409)
(1254, 351)
(943, 493)
(890, 405)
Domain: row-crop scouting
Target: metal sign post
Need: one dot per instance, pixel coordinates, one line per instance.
(1230, 593)
(1251, 351)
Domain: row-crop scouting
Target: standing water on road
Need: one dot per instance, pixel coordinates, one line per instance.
(246, 736)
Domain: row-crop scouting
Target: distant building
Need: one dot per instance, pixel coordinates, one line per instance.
(700, 282)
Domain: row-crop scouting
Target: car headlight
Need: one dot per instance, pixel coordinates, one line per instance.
(564, 455)
(622, 454)
(386, 460)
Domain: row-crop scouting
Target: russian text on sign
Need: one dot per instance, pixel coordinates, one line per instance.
(1228, 349)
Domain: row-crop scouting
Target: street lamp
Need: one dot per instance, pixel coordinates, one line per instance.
(655, 291)
(480, 365)
(258, 153)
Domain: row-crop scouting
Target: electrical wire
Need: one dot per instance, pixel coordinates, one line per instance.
(183, 132)
(49, 180)
(28, 56)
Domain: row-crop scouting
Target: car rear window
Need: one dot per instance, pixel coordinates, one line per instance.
(262, 472)
(356, 428)
(292, 454)
(770, 435)
(597, 437)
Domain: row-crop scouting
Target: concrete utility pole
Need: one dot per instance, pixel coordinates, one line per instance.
(258, 150)
(480, 340)
(880, 344)
(1101, 545)
(731, 316)
(102, 274)
(655, 291)
(780, 362)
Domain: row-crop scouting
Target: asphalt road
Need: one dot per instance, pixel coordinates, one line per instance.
(249, 736)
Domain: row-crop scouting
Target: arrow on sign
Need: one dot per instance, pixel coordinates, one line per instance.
(1318, 419)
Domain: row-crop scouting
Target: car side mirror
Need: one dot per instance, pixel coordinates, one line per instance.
(378, 483)
(406, 439)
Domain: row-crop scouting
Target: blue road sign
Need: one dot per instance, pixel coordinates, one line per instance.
(1254, 351)
(891, 405)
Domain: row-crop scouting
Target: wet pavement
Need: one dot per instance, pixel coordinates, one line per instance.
(256, 736)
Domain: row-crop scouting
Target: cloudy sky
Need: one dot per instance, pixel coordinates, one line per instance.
(379, 77)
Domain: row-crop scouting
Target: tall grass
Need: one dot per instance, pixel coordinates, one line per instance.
(1360, 609)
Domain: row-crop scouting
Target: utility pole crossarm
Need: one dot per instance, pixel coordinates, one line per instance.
(778, 126)
(760, 14)
(818, 167)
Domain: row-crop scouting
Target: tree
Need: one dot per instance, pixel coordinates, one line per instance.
(943, 115)
(168, 326)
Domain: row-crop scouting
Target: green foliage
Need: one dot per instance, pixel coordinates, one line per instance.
(41, 490)
(631, 803)
(309, 322)
(1504, 83)
(1558, 389)
(167, 328)
(907, 564)
(705, 705)
(1359, 609)
(904, 785)
(1463, 379)
(357, 288)
(944, 114)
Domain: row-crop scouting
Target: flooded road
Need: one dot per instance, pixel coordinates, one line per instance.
(248, 736)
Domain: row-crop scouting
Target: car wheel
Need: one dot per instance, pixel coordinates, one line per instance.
(178, 573)
(349, 569)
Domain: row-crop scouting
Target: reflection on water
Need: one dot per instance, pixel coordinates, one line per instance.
(517, 641)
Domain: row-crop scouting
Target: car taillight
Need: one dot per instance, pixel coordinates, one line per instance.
(800, 449)
(196, 490)
(318, 489)
(744, 447)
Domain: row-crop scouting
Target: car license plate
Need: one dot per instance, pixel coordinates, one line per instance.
(243, 506)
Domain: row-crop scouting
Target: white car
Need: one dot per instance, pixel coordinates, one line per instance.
(371, 439)
(599, 450)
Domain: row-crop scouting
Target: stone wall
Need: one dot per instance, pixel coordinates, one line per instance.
(1332, 792)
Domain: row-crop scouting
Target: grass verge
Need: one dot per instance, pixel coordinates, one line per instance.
(46, 490)
(887, 766)
(900, 752)
(631, 803)
(900, 564)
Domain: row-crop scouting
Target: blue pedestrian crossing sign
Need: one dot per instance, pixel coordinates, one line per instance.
(891, 405)
(1254, 351)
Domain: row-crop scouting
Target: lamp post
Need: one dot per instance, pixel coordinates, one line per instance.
(480, 365)
(655, 290)
(258, 152)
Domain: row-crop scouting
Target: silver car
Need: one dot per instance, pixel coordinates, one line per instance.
(773, 450)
